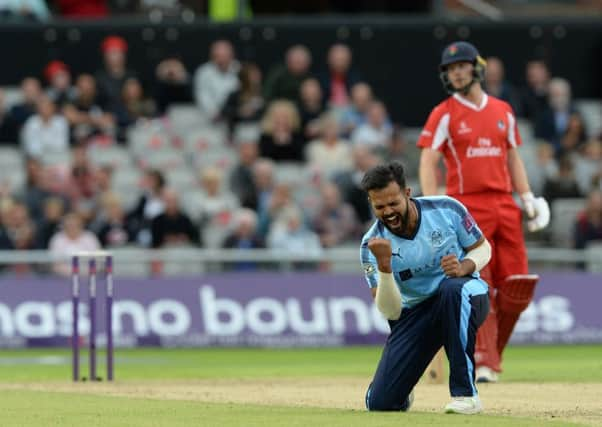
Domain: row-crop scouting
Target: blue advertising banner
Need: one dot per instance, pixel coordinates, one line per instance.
(287, 309)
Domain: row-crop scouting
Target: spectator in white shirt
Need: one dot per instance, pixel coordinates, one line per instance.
(329, 153)
(71, 239)
(46, 131)
(288, 234)
(215, 80)
(377, 130)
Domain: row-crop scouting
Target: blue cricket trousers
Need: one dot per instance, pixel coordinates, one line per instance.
(450, 318)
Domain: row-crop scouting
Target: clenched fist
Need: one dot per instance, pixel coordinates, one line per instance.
(452, 267)
(381, 249)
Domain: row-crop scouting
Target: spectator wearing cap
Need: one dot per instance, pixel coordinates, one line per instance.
(58, 77)
(111, 78)
(216, 79)
(340, 77)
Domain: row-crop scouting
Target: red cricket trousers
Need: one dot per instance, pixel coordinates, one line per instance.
(500, 219)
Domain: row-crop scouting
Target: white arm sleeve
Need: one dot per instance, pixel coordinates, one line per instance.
(388, 297)
(480, 255)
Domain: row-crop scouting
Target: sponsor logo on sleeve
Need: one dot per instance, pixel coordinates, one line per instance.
(469, 222)
(369, 268)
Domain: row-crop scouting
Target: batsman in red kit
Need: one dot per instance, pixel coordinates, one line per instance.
(477, 136)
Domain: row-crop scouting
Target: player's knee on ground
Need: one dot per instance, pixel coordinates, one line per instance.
(381, 401)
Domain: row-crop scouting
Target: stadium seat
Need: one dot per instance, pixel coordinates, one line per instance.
(221, 157)
(126, 264)
(11, 157)
(411, 135)
(181, 262)
(126, 183)
(564, 214)
(526, 131)
(190, 203)
(13, 178)
(12, 96)
(109, 155)
(164, 159)
(56, 158)
(214, 235)
(294, 174)
(183, 179)
(594, 256)
(184, 116)
(591, 111)
(203, 138)
(147, 137)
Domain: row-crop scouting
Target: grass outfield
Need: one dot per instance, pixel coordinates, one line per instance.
(246, 387)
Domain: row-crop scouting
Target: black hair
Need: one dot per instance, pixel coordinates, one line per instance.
(380, 176)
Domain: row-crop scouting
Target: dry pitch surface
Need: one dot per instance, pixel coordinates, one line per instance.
(580, 403)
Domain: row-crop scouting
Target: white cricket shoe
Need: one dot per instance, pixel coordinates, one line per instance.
(466, 405)
(485, 374)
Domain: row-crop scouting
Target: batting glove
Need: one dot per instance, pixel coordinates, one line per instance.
(537, 210)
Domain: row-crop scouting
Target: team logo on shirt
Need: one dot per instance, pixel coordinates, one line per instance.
(501, 125)
(369, 268)
(436, 238)
(464, 128)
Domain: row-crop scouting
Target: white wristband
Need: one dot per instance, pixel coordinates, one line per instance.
(480, 255)
(388, 297)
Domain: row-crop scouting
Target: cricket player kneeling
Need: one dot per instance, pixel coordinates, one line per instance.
(421, 259)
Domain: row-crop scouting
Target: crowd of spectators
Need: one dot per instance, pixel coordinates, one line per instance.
(298, 144)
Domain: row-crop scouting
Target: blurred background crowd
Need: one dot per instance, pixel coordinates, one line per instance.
(237, 154)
